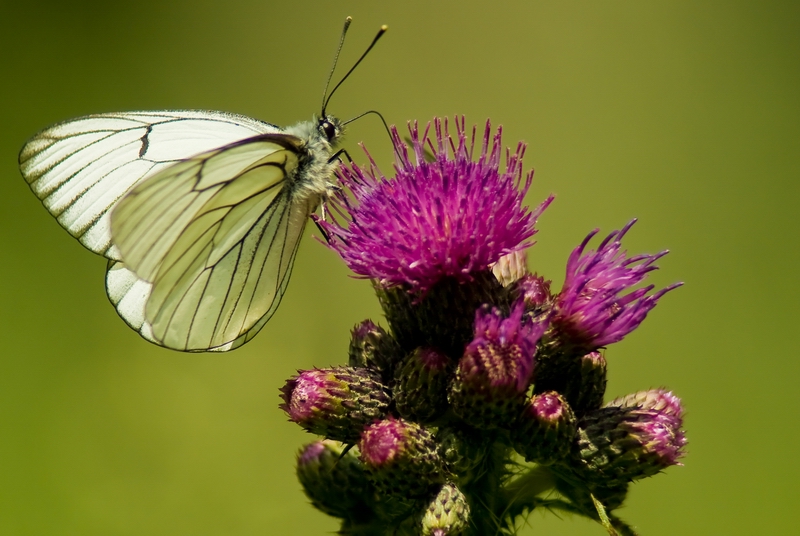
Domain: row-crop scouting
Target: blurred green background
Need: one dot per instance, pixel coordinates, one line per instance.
(682, 113)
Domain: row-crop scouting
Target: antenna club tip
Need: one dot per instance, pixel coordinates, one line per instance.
(348, 19)
(384, 27)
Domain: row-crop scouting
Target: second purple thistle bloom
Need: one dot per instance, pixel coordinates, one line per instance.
(453, 216)
(598, 304)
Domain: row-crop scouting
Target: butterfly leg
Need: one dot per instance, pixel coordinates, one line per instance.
(337, 156)
(319, 227)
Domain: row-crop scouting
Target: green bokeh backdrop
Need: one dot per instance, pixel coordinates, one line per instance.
(681, 113)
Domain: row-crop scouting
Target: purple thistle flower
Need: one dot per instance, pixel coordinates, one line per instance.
(535, 290)
(548, 407)
(591, 310)
(503, 350)
(496, 368)
(451, 217)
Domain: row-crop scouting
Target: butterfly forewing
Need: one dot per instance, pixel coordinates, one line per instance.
(207, 268)
(80, 169)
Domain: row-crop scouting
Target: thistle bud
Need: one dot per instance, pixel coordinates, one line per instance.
(545, 429)
(420, 388)
(534, 290)
(462, 449)
(401, 457)
(373, 348)
(495, 371)
(447, 514)
(336, 403)
(592, 387)
(336, 484)
(630, 438)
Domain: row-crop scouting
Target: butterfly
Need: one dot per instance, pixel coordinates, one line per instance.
(199, 213)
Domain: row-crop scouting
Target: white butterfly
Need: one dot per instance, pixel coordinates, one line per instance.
(199, 213)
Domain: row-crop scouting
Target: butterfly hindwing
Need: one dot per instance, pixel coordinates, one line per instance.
(208, 245)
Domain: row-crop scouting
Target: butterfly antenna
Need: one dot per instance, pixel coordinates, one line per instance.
(385, 126)
(348, 20)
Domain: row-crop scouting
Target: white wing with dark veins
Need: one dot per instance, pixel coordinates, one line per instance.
(81, 168)
(207, 245)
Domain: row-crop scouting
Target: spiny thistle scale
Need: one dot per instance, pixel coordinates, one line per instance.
(621, 443)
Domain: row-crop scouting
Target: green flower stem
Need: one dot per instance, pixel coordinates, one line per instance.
(484, 493)
(601, 512)
(520, 495)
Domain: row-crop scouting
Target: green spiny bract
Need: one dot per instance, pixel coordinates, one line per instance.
(420, 385)
(462, 449)
(443, 317)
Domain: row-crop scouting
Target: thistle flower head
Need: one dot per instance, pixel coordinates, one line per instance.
(420, 385)
(454, 216)
(593, 308)
(496, 368)
(548, 407)
(373, 348)
(503, 349)
(447, 514)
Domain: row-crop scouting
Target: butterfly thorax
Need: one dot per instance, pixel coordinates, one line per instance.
(313, 177)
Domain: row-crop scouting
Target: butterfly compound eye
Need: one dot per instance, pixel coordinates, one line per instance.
(328, 129)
